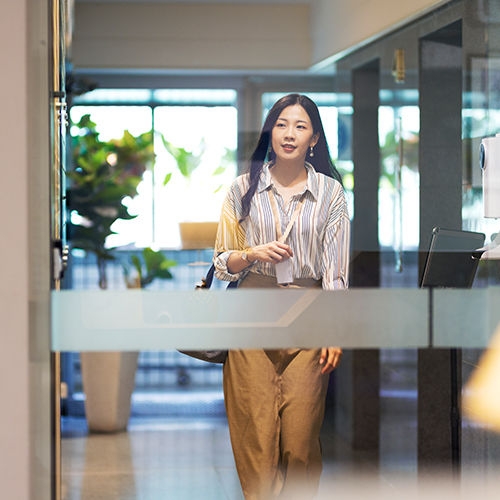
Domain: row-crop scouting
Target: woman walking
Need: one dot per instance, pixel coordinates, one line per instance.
(284, 223)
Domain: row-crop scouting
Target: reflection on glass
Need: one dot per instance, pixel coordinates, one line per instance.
(198, 163)
(481, 400)
(399, 182)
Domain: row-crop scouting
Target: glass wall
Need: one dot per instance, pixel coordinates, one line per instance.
(195, 147)
(429, 123)
(437, 100)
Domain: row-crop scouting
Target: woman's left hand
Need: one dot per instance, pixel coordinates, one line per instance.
(330, 359)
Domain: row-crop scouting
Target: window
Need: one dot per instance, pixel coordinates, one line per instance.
(197, 126)
(399, 181)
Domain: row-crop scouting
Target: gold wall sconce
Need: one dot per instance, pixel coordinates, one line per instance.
(398, 66)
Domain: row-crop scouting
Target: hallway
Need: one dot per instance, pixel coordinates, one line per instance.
(189, 457)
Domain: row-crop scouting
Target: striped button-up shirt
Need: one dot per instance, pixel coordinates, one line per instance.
(319, 237)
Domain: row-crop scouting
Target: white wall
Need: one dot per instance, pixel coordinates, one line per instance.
(232, 36)
(14, 417)
(188, 35)
(339, 26)
(24, 355)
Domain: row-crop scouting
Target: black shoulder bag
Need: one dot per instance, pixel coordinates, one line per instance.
(210, 356)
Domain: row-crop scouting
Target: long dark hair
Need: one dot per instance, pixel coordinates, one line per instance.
(321, 161)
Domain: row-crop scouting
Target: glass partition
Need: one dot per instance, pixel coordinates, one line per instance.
(146, 320)
(431, 120)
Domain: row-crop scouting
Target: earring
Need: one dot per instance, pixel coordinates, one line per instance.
(311, 151)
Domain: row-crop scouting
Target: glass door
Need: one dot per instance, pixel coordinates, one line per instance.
(61, 14)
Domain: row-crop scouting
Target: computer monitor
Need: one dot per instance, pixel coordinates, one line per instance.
(452, 258)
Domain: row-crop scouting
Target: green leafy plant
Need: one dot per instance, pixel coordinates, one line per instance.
(187, 162)
(103, 174)
(147, 267)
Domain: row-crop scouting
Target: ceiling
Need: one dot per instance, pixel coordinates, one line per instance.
(201, 1)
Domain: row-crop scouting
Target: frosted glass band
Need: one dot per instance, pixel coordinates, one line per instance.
(465, 318)
(356, 318)
(148, 320)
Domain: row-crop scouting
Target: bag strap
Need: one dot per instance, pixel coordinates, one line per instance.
(206, 282)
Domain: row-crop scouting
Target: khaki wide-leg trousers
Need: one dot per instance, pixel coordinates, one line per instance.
(275, 403)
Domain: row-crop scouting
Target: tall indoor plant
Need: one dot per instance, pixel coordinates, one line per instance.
(109, 377)
(102, 175)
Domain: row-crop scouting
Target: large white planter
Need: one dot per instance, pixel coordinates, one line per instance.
(108, 382)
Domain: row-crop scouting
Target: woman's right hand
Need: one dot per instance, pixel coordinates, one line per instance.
(272, 252)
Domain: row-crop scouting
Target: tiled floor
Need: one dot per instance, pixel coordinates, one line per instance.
(190, 458)
(155, 459)
(160, 458)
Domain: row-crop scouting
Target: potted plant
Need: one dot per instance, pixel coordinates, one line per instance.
(109, 377)
(102, 175)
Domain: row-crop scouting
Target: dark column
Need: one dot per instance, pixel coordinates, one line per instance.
(440, 88)
(365, 267)
(358, 379)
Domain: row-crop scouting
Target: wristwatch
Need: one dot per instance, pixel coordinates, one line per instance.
(244, 256)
